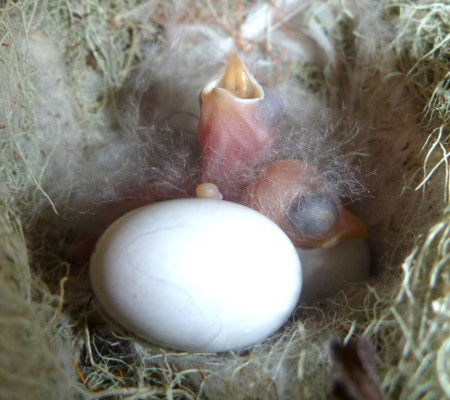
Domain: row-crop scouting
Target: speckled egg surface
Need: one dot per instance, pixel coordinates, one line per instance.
(199, 275)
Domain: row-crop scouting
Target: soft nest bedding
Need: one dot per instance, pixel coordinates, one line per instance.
(99, 106)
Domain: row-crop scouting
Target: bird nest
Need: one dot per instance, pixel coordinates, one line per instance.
(99, 110)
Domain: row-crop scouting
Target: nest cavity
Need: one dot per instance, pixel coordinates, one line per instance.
(99, 100)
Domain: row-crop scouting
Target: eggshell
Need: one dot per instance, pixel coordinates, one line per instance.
(327, 271)
(200, 275)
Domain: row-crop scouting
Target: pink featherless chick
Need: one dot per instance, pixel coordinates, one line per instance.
(292, 194)
(237, 128)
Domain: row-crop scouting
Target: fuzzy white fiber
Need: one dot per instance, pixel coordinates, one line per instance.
(99, 108)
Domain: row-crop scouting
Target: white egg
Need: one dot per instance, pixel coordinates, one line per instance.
(199, 275)
(327, 271)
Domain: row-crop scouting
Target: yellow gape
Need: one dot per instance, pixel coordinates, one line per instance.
(238, 80)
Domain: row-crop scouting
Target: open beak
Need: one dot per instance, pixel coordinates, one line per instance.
(235, 130)
(348, 226)
(291, 193)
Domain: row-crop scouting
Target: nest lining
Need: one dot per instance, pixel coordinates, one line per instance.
(59, 106)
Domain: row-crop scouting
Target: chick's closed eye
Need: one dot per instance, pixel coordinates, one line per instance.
(312, 216)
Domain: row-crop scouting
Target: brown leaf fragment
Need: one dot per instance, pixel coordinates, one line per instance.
(355, 370)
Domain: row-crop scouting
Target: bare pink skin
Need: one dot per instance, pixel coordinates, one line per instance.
(231, 134)
(285, 180)
(237, 127)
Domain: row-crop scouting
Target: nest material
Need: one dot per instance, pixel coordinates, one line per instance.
(86, 85)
